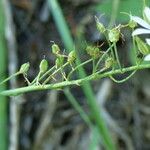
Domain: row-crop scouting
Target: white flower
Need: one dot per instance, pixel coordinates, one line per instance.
(147, 14)
(147, 57)
(143, 23)
(145, 29)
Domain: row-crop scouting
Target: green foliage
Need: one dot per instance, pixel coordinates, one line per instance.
(3, 69)
(134, 7)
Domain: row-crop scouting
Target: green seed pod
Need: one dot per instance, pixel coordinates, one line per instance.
(100, 27)
(43, 65)
(55, 49)
(114, 35)
(93, 51)
(143, 47)
(96, 53)
(72, 56)
(24, 68)
(132, 24)
(89, 49)
(59, 61)
(109, 62)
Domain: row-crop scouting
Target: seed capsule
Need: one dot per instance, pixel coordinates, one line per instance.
(59, 61)
(132, 24)
(93, 51)
(89, 49)
(143, 47)
(55, 49)
(114, 35)
(43, 65)
(72, 56)
(109, 62)
(24, 68)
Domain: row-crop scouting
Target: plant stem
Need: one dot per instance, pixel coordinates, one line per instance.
(7, 79)
(56, 71)
(61, 24)
(111, 46)
(94, 76)
(76, 105)
(134, 50)
(116, 54)
(77, 67)
(101, 58)
(44, 75)
(94, 70)
(115, 6)
(123, 80)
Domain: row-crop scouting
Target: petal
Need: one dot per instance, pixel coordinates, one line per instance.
(147, 57)
(140, 22)
(147, 13)
(140, 31)
(148, 41)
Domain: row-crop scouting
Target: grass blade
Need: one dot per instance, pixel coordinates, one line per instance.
(3, 68)
(68, 43)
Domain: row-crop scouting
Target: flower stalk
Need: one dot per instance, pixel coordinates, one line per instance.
(77, 82)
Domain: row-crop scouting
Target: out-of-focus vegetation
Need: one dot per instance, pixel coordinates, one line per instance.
(134, 7)
(3, 69)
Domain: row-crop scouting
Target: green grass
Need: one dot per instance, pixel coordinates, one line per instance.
(69, 45)
(3, 63)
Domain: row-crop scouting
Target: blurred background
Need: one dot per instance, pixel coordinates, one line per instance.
(46, 120)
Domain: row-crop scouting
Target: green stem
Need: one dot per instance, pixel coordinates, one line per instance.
(76, 105)
(94, 76)
(63, 74)
(61, 24)
(101, 58)
(115, 6)
(144, 4)
(134, 50)
(94, 69)
(56, 71)
(111, 46)
(116, 54)
(38, 77)
(12, 76)
(123, 80)
(77, 67)
(44, 75)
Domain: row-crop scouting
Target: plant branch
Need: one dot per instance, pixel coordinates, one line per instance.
(60, 85)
